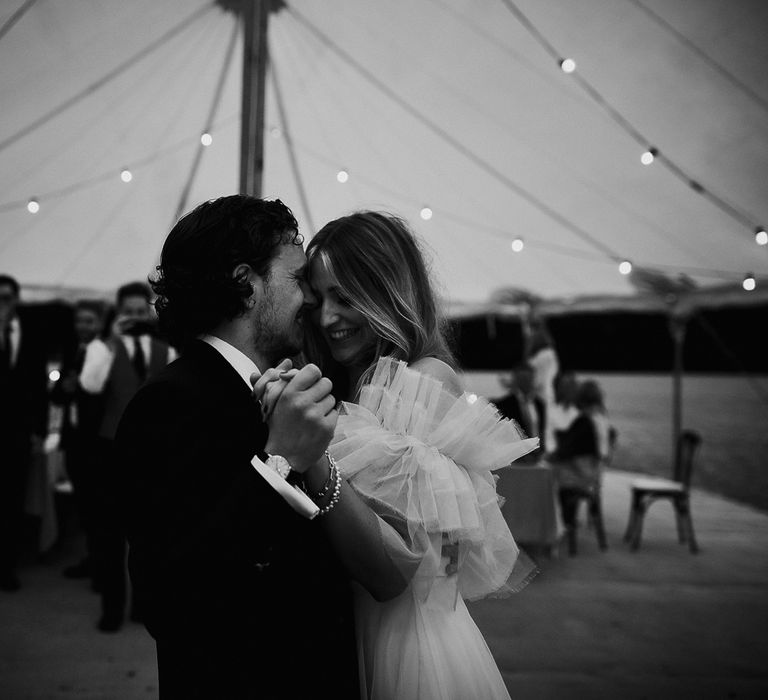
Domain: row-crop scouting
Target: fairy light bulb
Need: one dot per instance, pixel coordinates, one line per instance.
(749, 282)
(426, 213)
(206, 139)
(126, 175)
(649, 156)
(625, 267)
(567, 65)
(517, 245)
(33, 206)
(761, 236)
(342, 175)
(471, 398)
(275, 132)
(54, 375)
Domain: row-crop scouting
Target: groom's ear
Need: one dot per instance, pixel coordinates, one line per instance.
(246, 274)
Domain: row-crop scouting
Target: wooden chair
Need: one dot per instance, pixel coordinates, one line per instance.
(646, 491)
(590, 493)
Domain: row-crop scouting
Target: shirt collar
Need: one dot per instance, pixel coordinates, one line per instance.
(240, 362)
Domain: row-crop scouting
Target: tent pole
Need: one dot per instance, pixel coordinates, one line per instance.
(677, 329)
(255, 13)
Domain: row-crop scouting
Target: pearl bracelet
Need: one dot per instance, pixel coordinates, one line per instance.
(336, 487)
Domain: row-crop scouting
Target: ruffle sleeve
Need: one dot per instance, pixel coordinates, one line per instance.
(423, 459)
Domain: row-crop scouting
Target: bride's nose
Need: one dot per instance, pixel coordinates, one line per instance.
(328, 313)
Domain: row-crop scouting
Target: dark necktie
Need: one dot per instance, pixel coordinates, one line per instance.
(5, 350)
(79, 359)
(139, 361)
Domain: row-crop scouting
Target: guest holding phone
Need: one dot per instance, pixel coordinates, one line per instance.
(116, 370)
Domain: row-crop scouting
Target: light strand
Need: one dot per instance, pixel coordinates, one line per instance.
(720, 202)
(106, 78)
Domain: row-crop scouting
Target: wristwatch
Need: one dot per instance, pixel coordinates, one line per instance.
(279, 463)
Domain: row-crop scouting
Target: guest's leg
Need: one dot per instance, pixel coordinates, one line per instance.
(14, 464)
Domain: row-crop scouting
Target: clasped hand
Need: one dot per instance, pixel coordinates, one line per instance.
(299, 408)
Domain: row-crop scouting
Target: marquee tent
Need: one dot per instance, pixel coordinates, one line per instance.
(460, 107)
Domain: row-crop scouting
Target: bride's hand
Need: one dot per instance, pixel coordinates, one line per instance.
(268, 387)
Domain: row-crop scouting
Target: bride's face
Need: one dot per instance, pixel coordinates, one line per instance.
(345, 329)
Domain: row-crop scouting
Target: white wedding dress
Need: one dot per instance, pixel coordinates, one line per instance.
(422, 459)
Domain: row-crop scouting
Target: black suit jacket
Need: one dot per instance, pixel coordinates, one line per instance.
(244, 596)
(24, 390)
(509, 407)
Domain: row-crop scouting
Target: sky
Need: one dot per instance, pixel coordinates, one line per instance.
(455, 105)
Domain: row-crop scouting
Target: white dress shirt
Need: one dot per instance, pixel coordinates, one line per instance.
(14, 337)
(99, 356)
(245, 367)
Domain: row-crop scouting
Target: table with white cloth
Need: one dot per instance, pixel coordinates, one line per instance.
(531, 507)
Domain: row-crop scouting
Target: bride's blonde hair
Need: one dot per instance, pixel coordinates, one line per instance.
(376, 262)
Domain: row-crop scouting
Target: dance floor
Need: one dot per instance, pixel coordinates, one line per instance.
(657, 623)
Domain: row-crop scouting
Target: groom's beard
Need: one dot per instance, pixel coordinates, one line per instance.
(275, 336)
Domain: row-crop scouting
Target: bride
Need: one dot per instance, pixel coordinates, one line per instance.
(420, 454)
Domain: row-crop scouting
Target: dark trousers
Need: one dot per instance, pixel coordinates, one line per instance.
(108, 540)
(82, 463)
(14, 469)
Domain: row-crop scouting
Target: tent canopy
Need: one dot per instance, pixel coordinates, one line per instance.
(455, 105)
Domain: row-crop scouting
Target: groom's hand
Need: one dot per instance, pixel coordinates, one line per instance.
(303, 419)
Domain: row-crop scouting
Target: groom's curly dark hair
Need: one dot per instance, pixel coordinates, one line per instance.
(195, 287)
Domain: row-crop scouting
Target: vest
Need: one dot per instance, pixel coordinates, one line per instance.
(123, 382)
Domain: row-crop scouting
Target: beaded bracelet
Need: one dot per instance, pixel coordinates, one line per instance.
(336, 490)
(327, 485)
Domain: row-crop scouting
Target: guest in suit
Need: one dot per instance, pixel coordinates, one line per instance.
(522, 405)
(114, 371)
(23, 422)
(243, 579)
(81, 419)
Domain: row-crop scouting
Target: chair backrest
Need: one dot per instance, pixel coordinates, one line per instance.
(687, 444)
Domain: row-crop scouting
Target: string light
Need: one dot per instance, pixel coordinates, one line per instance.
(275, 132)
(126, 175)
(625, 267)
(342, 175)
(471, 398)
(749, 282)
(517, 245)
(568, 65)
(426, 213)
(33, 206)
(206, 139)
(761, 236)
(648, 156)
(54, 375)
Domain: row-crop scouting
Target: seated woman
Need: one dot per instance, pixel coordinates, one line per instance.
(581, 450)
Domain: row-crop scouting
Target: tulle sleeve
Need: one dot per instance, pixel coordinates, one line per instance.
(423, 459)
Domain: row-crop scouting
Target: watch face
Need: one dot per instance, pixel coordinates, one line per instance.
(280, 464)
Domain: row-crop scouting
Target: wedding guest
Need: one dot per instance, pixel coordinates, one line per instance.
(522, 405)
(562, 412)
(541, 354)
(81, 417)
(116, 370)
(581, 450)
(23, 422)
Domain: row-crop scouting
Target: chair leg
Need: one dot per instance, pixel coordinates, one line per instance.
(683, 508)
(682, 528)
(637, 532)
(569, 504)
(631, 522)
(596, 515)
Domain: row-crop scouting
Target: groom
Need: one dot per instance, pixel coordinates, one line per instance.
(238, 581)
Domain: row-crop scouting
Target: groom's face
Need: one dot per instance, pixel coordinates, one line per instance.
(281, 307)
